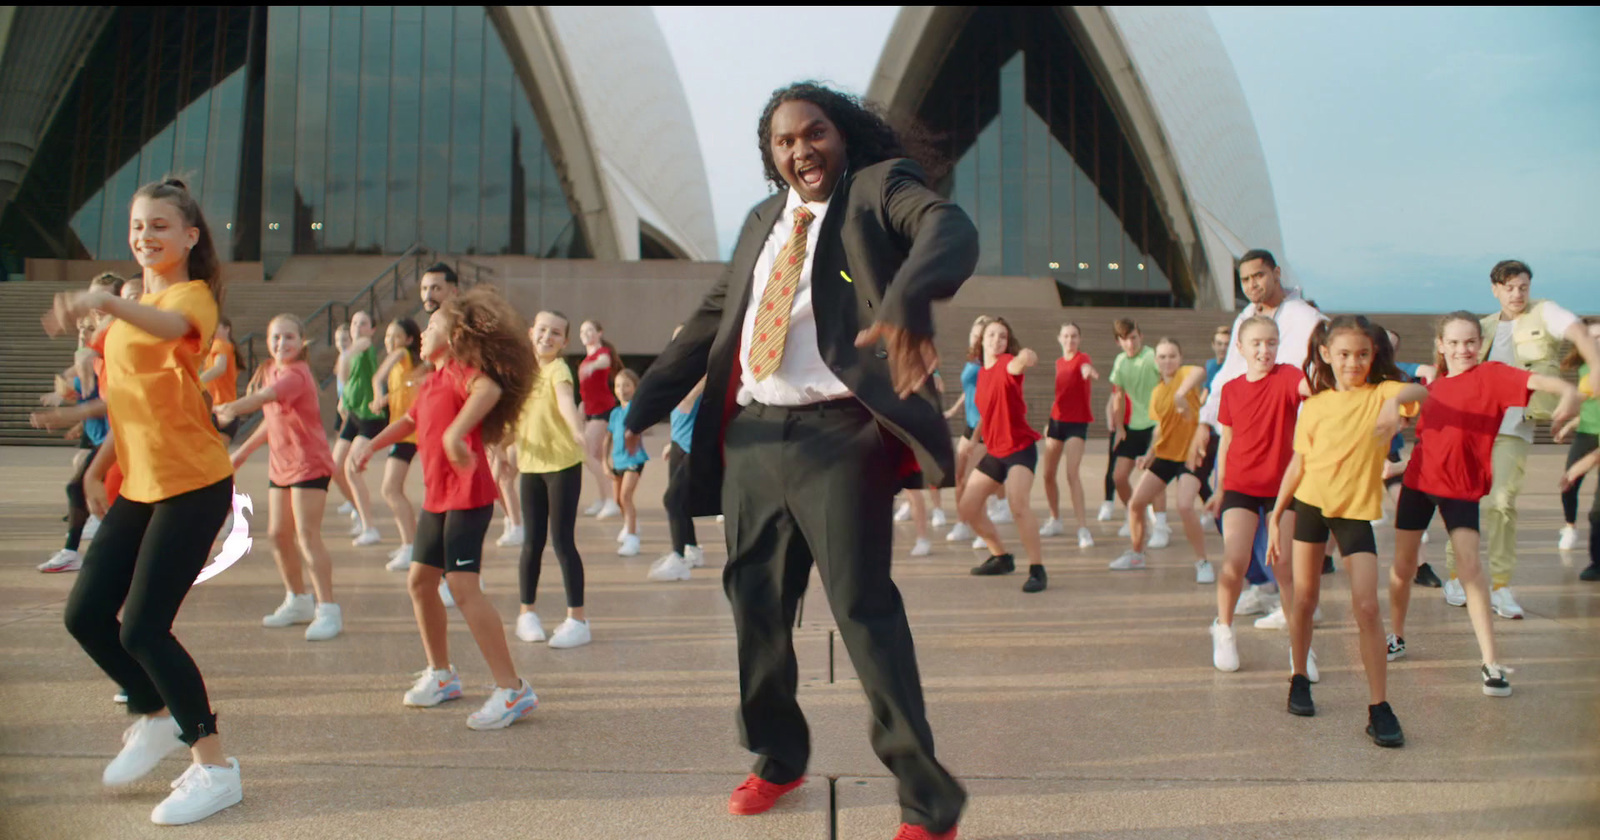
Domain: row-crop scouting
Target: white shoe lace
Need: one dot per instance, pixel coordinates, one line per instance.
(195, 778)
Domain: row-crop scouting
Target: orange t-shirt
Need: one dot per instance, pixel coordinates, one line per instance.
(225, 388)
(166, 444)
(402, 391)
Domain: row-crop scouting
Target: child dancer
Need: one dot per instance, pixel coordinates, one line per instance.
(1133, 376)
(1335, 482)
(358, 364)
(686, 553)
(1070, 417)
(299, 467)
(1451, 469)
(483, 368)
(968, 407)
(1175, 408)
(179, 488)
(549, 441)
(1576, 471)
(1257, 416)
(595, 375)
(1011, 458)
(395, 385)
(221, 374)
(626, 469)
(1587, 439)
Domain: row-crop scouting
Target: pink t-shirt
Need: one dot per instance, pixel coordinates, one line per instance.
(297, 444)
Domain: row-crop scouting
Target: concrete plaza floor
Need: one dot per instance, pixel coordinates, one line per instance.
(1090, 710)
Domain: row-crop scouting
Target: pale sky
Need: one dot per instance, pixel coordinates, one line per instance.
(1409, 149)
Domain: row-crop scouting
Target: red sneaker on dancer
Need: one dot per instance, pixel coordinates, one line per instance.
(916, 832)
(757, 795)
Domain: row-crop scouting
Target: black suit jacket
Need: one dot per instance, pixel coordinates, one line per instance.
(902, 246)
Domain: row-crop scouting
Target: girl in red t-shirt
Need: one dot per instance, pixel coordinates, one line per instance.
(596, 373)
(1011, 458)
(1067, 431)
(1451, 469)
(299, 470)
(483, 371)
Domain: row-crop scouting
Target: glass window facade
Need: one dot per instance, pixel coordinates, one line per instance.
(306, 130)
(1039, 161)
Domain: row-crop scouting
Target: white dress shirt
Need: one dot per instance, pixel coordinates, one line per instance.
(803, 377)
(1296, 320)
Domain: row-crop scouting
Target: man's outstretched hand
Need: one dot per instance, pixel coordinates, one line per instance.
(632, 442)
(912, 358)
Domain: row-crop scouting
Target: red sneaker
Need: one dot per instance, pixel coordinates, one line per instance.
(757, 795)
(916, 832)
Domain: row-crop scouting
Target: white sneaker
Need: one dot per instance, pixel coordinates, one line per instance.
(999, 512)
(921, 549)
(721, 518)
(937, 519)
(594, 507)
(1128, 561)
(1276, 620)
(329, 622)
(504, 707)
(1160, 537)
(368, 537)
(670, 567)
(1107, 509)
(1224, 647)
(355, 515)
(1455, 594)
(1424, 537)
(120, 697)
(978, 543)
(904, 513)
(622, 534)
(65, 560)
(1203, 573)
(511, 535)
(346, 509)
(1311, 665)
(694, 555)
(400, 560)
(630, 546)
(1085, 538)
(962, 531)
(570, 634)
(528, 627)
(1126, 530)
(1566, 542)
(295, 609)
(608, 510)
(1052, 528)
(356, 528)
(201, 791)
(1504, 603)
(144, 744)
(445, 596)
(1252, 601)
(433, 687)
(92, 527)
(1207, 524)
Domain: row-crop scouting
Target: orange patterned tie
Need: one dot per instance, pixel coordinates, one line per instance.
(777, 299)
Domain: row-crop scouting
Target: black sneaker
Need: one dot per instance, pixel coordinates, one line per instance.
(1300, 696)
(1592, 572)
(1384, 727)
(1327, 564)
(1397, 647)
(1426, 577)
(1495, 683)
(1000, 564)
(1036, 581)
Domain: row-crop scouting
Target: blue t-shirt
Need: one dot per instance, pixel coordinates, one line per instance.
(620, 459)
(1398, 444)
(969, 391)
(683, 425)
(94, 428)
(1212, 366)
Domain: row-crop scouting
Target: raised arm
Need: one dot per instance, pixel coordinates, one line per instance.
(215, 369)
(1024, 359)
(1571, 400)
(1578, 334)
(68, 307)
(683, 363)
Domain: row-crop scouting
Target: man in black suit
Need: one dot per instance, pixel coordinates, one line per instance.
(816, 343)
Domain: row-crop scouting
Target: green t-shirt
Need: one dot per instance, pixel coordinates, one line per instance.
(1589, 415)
(1137, 377)
(357, 398)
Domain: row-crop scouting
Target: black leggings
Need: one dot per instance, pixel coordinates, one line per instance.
(676, 500)
(77, 503)
(550, 502)
(1111, 468)
(1582, 444)
(143, 562)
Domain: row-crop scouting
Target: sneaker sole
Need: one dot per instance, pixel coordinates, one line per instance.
(1396, 655)
(407, 701)
(1399, 741)
(1303, 711)
(1512, 616)
(504, 720)
(234, 799)
(1497, 692)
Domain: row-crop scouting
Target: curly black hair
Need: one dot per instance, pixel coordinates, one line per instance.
(868, 136)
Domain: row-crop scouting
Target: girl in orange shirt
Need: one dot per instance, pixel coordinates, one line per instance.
(221, 374)
(178, 490)
(395, 389)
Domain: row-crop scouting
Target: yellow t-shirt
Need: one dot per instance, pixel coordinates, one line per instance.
(1343, 458)
(1174, 431)
(544, 440)
(166, 443)
(402, 392)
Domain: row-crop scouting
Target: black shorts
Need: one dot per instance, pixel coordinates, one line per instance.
(1354, 536)
(308, 484)
(625, 470)
(1413, 511)
(601, 417)
(972, 432)
(1258, 505)
(1135, 442)
(355, 427)
(403, 452)
(452, 541)
(1167, 470)
(85, 443)
(1209, 462)
(998, 468)
(914, 481)
(1060, 430)
(229, 430)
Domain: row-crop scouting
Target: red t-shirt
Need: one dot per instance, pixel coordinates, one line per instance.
(594, 390)
(1453, 457)
(297, 445)
(1072, 391)
(1002, 412)
(1261, 415)
(444, 486)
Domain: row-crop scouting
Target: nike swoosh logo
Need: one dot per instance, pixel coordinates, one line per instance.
(463, 562)
(512, 702)
(444, 684)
